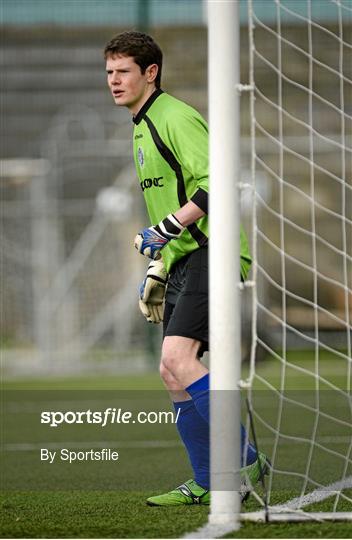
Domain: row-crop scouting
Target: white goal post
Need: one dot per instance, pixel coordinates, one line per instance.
(298, 81)
(225, 360)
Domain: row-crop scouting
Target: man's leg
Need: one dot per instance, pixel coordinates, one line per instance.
(180, 366)
(179, 357)
(193, 429)
(194, 432)
(186, 314)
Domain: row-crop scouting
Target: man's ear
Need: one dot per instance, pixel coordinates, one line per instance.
(152, 72)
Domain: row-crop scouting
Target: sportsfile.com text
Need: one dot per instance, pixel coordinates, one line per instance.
(109, 416)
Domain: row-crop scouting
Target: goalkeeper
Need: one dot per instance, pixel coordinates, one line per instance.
(170, 147)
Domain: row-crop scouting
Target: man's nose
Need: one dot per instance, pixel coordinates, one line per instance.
(115, 78)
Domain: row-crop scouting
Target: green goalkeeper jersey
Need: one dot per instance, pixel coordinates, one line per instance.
(170, 148)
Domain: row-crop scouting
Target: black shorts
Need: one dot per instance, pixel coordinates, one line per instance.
(186, 302)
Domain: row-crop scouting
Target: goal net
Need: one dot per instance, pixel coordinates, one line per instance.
(68, 288)
(300, 64)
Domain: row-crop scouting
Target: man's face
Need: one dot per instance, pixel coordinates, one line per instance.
(129, 87)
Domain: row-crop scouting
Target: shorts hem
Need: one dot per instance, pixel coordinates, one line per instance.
(188, 335)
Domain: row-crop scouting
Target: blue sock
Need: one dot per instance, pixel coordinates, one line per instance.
(194, 432)
(199, 391)
(247, 451)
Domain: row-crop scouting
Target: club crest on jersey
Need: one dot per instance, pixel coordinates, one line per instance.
(140, 156)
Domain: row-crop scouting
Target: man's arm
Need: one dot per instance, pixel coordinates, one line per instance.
(189, 213)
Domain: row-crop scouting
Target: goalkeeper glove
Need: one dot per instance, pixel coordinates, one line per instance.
(151, 240)
(152, 292)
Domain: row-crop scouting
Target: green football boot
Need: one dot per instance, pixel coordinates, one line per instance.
(191, 493)
(188, 493)
(251, 474)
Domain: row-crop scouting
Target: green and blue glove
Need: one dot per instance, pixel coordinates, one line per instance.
(151, 240)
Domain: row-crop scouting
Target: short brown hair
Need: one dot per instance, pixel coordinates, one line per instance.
(140, 46)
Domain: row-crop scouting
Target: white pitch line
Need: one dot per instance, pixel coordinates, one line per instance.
(217, 531)
(28, 447)
(210, 531)
(24, 447)
(315, 496)
(322, 439)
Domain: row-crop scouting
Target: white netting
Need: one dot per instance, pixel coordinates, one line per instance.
(69, 275)
(300, 76)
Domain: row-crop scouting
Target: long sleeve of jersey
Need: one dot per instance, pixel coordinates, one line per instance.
(188, 135)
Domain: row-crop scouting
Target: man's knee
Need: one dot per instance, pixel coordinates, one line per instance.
(169, 380)
(177, 354)
(165, 373)
(170, 361)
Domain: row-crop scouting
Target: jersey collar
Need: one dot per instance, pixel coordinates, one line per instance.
(147, 104)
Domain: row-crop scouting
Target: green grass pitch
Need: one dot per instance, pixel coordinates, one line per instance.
(111, 501)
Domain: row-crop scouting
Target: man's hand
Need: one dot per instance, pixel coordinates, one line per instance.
(151, 240)
(152, 292)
